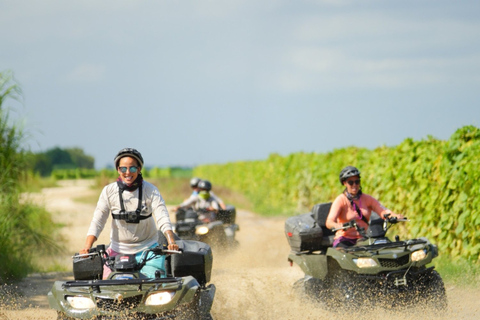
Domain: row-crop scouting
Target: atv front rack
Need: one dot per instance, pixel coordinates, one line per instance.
(387, 245)
(103, 283)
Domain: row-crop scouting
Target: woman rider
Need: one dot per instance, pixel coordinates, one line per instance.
(134, 220)
(352, 204)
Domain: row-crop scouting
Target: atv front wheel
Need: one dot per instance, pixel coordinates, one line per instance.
(434, 292)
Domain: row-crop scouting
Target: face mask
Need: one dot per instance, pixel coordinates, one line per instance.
(204, 195)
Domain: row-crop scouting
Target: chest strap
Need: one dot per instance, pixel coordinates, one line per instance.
(130, 216)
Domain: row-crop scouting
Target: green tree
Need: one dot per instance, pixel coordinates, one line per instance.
(58, 159)
(80, 159)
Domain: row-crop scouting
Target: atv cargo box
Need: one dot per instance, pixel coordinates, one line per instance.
(195, 260)
(87, 267)
(303, 233)
(228, 215)
(308, 232)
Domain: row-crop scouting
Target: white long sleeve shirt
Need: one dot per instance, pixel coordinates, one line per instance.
(131, 238)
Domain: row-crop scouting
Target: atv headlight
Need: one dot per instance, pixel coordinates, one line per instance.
(201, 230)
(80, 302)
(159, 298)
(365, 262)
(419, 255)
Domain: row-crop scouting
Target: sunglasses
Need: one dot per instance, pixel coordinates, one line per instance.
(133, 169)
(352, 182)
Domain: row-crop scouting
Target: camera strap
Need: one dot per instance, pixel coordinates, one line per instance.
(354, 206)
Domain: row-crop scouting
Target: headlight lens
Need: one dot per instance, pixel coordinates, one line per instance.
(81, 302)
(201, 230)
(365, 262)
(159, 298)
(419, 255)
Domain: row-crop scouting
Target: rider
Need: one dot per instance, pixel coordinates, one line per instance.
(133, 227)
(203, 201)
(194, 185)
(351, 205)
(195, 190)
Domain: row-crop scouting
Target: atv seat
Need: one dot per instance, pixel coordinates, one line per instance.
(319, 214)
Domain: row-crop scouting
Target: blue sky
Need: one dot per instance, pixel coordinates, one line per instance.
(193, 82)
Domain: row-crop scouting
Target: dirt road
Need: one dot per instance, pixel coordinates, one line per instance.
(253, 282)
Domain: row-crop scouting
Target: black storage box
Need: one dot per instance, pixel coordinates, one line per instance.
(303, 233)
(87, 268)
(228, 215)
(196, 261)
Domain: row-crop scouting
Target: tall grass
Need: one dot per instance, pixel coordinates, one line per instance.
(26, 230)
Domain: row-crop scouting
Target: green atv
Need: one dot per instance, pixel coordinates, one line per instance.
(377, 271)
(179, 292)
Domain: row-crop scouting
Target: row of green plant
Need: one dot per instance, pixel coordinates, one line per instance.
(26, 230)
(435, 183)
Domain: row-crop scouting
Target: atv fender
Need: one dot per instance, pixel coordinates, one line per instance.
(314, 265)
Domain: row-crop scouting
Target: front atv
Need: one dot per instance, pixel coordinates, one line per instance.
(182, 292)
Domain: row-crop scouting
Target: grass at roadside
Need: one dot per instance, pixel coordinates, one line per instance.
(460, 272)
(36, 184)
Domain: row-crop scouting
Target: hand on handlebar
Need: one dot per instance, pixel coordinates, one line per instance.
(346, 225)
(173, 246)
(394, 217)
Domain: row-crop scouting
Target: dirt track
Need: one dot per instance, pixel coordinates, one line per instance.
(253, 282)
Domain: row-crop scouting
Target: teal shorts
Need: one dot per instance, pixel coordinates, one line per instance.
(155, 263)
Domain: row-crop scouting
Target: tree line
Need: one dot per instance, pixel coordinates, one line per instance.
(44, 163)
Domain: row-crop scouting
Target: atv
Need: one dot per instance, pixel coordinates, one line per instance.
(376, 271)
(178, 292)
(220, 231)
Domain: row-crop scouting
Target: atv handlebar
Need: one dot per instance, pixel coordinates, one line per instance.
(159, 251)
(353, 223)
(100, 250)
(392, 220)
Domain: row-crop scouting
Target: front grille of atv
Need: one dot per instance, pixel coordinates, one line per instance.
(107, 304)
(394, 263)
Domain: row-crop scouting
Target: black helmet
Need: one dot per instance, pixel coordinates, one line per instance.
(129, 152)
(194, 182)
(348, 172)
(205, 185)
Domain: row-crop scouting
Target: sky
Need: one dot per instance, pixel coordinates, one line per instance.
(196, 82)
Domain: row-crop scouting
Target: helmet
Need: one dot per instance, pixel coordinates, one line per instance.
(128, 152)
(194, 182)
(205, 185)
(348, 172)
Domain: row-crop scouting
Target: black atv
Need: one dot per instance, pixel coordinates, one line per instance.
(377, 271)
(217, 232)
(182, 292)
